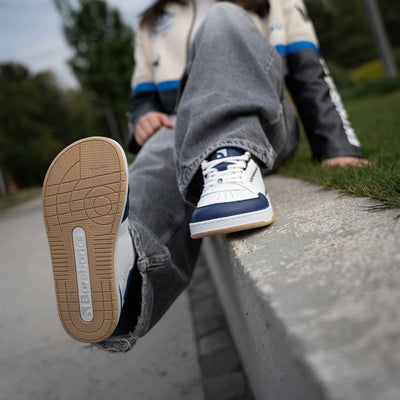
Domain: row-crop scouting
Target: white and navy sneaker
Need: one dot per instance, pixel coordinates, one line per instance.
(85, 209)
(234, 196)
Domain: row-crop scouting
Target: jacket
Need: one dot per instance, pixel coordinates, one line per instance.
(161, 56)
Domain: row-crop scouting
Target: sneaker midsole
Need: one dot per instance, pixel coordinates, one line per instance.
(218, 225)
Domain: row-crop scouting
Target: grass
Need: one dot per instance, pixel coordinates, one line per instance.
(373, 110)
(23, 195)
(376, 120)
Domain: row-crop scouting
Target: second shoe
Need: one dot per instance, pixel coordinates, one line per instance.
(234, 196)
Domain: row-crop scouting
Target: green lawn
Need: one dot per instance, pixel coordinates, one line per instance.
(376, 120)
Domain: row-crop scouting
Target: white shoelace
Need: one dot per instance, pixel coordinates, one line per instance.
(232, 174)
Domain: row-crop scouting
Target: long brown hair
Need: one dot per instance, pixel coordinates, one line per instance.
(150, 16)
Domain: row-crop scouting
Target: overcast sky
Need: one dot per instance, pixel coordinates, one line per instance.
(31, 34)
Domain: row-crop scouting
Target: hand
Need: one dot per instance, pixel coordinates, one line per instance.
(345, 162)
(149, 124)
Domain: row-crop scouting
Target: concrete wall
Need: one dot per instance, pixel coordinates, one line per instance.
(312, 301)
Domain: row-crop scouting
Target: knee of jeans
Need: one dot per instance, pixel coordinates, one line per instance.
(225, 7)
(225, 11)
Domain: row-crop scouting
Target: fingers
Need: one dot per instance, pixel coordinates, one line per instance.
(345, 162)
(149, 124)
(166, 121)
(145, 128)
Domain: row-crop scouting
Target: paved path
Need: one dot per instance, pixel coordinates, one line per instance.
(39, 361)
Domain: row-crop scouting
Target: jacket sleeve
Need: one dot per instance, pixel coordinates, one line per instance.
(144, 96)
(317, 100)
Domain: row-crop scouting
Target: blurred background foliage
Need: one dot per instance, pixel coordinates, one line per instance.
(38, 117)
(346, 40)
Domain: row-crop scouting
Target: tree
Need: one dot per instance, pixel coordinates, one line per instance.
(390, 10)
(102, 61)
(37, 120)
(343, 31)
(26, 134)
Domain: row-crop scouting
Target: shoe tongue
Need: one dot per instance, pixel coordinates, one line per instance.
(226, 152)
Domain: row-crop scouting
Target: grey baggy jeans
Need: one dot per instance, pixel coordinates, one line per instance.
(233, 96)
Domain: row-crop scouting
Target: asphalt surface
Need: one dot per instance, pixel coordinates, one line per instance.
(330, 264)
(39, 361)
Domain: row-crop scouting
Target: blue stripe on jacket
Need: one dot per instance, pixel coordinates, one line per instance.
(295, 46)
(152, 87)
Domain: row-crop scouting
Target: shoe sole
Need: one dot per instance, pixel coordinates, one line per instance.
(84, 195)
(234, 223)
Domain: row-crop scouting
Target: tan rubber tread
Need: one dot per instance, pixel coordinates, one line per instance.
(85, 187)
(233, 229)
